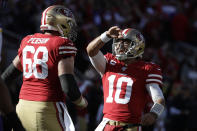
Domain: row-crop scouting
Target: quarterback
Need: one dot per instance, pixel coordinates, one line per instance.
(127, 80)
(47, 62)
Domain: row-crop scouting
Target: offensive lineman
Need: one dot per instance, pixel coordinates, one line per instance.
(47, 63)
(127, 80)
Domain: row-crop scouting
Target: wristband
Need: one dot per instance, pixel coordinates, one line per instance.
(157, 108)
(104, 38)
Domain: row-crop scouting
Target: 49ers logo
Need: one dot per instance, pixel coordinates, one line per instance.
(65, 12)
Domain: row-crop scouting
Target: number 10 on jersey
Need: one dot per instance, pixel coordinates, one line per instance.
(118, 86)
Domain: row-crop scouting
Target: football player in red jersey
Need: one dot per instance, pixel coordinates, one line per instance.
(127, 80)
(47, 63)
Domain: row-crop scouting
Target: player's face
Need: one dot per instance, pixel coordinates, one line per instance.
(121, 46)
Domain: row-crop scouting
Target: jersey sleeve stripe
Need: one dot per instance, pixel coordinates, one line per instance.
(155, 75)
(154, 83)
(67, 47)
(67, 52)
(153, 80)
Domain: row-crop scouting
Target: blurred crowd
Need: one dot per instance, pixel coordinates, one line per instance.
(170, 30)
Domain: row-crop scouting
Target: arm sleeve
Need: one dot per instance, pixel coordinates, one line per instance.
(10, 73)
(99, 62)
(154, 91)
(69, 86)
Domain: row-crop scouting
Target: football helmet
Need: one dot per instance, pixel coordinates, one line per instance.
(130, 46)
(61, 19)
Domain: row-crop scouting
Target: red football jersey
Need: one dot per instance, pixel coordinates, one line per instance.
(124, 88)
(39, 55)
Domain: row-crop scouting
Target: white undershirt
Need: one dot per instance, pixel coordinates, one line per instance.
(99, 62)
(154, 91)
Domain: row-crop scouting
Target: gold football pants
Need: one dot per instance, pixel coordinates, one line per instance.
(42, 116)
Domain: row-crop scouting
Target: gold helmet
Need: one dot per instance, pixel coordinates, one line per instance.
(61, 19)
(130, 46)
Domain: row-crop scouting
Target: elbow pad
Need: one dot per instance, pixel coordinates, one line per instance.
(10, 73)
(69, 86)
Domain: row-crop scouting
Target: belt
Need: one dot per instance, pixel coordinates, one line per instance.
(119, 123)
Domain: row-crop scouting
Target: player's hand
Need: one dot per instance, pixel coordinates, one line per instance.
(82, 103)
(11, 121)
(148, 119)
(114, 32)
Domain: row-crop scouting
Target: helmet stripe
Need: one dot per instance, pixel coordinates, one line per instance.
(126, 31)
(43, 22)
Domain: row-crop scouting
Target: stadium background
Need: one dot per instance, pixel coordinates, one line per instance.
(170, 30)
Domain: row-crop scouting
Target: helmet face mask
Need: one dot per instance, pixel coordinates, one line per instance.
(130, 46)
(61, 19)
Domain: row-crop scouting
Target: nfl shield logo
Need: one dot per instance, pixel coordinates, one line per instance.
(124, 68)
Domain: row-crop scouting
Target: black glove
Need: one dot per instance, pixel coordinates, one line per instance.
(11, 121)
